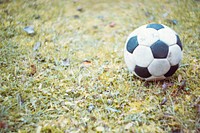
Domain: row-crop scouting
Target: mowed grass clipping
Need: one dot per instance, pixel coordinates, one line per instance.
(70, 76)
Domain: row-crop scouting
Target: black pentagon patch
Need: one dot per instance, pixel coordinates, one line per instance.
(172, 70)
(159, 49)
(179, 42)
(142, 72)
(132, 44)
(155, 26)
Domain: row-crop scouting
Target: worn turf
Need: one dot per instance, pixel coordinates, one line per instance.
(70, 76)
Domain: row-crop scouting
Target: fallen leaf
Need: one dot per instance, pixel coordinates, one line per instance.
(33, 69)
(172, 21)
(87, 63)
(112, 109)
(128, 126)
(66, 62)
(146, 84)
(176, 131)
(165, 86)
(91, 107)
(40, 86)
(147, 14)
(36, 16)
(101, 18)
(100, 129)
(163, 101)
(182, 85)
(167, 115)
(95, 26)
(76, 16)
(106, 69)
(29, 29)
(20, 100)
(80, 9)
(36, 46)
(75, 1)
(170, 84)
(109, 101)
(179, 78)
(3, 125)
(165, 15)
(151, 18)
(112, 24)
(93, 118)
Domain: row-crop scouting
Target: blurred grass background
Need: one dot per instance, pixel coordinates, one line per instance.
(77, 81)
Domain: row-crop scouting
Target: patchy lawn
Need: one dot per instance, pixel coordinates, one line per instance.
(65, 71)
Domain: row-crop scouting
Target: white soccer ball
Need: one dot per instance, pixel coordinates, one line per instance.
(153, 52)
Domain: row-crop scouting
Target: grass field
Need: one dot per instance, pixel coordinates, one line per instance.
(69, 74)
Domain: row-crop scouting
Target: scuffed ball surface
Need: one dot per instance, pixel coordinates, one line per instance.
(153, 52)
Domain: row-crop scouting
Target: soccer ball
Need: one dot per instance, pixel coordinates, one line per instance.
(153, 52)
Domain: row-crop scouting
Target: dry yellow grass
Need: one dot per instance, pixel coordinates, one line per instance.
(92, 91)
